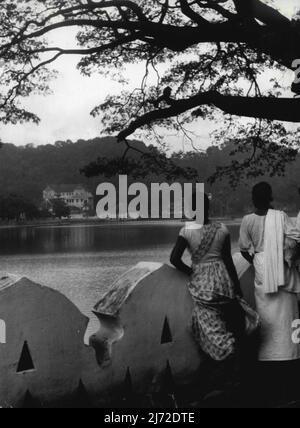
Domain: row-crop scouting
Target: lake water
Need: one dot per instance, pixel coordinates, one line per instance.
(81, 261)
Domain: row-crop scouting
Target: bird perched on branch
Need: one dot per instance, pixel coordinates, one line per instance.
(166, 96)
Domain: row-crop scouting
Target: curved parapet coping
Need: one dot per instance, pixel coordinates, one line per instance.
(145, 329)
(145, 321)
(144, 333)
(120, 291)
(7, 280)
(43, 353)
(111, 303)
(144, 338)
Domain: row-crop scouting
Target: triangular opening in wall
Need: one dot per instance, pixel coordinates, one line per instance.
(82, 399)
(168, 383)
(128, 388)
(31, 402)
(127, 397)
(166, 336)
(26, 362)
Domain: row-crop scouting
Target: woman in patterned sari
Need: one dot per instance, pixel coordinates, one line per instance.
(218, 320)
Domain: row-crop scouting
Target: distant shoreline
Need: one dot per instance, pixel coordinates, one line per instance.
(105, 223)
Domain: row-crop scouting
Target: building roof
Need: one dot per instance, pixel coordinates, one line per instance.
(65, 188)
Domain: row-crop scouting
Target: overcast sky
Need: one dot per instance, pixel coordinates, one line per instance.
(65, 114)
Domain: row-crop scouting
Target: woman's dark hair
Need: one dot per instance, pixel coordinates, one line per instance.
(262, 195)
(206, 205)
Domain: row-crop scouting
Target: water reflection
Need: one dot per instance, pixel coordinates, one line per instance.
(86, 238)
(82, 261)
(49, 240)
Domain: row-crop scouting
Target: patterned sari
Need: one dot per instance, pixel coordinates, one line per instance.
(218, 318)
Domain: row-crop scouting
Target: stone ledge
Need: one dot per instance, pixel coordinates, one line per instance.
(143, 339)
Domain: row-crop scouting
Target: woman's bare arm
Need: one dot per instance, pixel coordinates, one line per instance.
(177, 254)
(228, 261)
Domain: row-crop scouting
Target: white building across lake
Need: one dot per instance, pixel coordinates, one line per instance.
(74, 195)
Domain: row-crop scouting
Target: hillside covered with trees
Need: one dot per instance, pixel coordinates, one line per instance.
(26, 171)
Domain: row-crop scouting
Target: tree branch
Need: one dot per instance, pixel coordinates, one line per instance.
(211, 4)
(87, 51)
(261, 11)
(283, 46)
(282, 109)
(191, 14)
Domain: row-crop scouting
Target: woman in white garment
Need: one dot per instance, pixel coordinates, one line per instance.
(263, 238)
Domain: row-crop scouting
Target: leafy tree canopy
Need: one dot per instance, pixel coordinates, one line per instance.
(208, 56)
(13, 207)
(60, 208)
(27, 171)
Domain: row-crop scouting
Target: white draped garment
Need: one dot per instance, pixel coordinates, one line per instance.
(277, 302)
